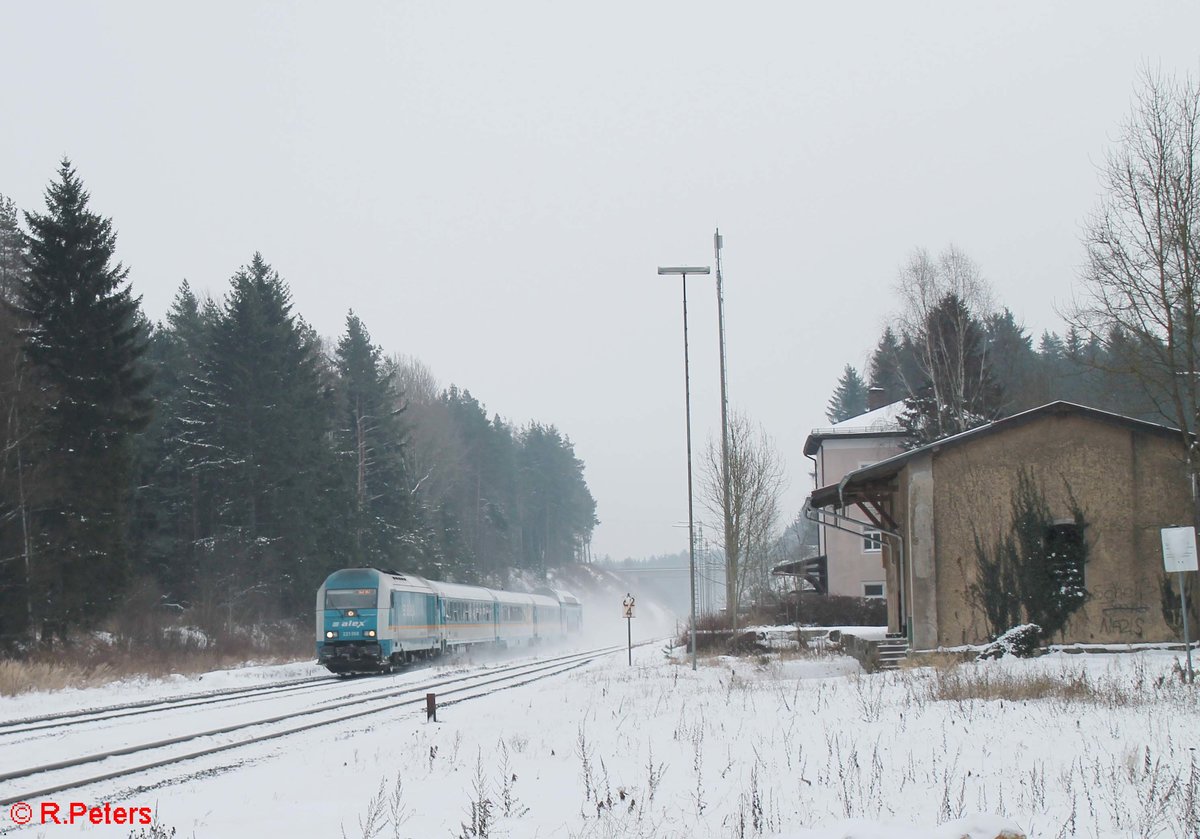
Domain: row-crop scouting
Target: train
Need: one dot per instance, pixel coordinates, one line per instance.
(374, 621)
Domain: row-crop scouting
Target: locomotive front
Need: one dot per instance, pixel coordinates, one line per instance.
(348, 621)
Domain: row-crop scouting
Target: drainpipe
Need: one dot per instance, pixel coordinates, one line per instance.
(816, 482)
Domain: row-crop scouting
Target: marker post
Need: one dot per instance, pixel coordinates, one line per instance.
(627, 613)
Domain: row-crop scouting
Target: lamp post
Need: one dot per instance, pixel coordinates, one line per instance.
(683, 271)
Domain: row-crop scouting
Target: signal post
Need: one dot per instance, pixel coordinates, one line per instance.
(627, 613)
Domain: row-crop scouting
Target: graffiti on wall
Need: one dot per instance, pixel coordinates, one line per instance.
(1123, 606)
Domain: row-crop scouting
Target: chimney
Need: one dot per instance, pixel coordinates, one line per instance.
(876, 398)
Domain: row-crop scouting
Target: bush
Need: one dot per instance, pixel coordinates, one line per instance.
(838, 610)
(1020, 641)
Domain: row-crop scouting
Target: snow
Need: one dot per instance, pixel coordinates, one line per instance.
(137, 689)
(885, 418)
(790, 746)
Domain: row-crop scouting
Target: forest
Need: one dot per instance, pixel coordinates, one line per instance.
(223, 461)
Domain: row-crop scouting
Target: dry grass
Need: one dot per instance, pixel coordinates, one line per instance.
(1063, 684)
(938, 660)
(958, 684)
(93, 661)
(716, 657)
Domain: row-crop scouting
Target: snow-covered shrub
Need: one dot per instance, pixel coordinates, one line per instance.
(187, 637)
(1020, 641)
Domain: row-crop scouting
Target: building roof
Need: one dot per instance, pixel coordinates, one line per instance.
(882, 422)
(886, 470)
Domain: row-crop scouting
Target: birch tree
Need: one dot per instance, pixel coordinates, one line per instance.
(756, 483)
(948, 383)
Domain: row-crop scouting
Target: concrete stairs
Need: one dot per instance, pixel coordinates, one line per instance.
(892, 650)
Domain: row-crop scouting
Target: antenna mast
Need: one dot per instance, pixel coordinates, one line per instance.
(730, 538)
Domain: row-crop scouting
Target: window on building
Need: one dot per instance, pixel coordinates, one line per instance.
(872, 541)
(874, 590)
(1065, 552)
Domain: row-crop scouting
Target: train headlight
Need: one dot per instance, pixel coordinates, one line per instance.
(331, 634)
(370, 633)
(350, 613)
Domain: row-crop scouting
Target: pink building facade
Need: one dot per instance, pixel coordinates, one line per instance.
(855, 560)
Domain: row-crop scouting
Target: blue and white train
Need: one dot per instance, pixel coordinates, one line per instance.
(371, 621)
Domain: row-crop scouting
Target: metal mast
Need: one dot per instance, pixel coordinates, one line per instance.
(726, 501)
(683, 271)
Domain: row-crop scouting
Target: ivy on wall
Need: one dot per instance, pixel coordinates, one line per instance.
(1034, 572)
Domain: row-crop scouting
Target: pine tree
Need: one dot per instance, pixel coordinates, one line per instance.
(1012, 362)
(167, 504)
(481, 503)
(558, 512)
(85, 338)
(258, 419)
(20, 404)
(886, 368)
(849, 398)
(370, 450)
(12, 251)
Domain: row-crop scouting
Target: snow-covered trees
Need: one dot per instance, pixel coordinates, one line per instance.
(492, 496)
(268, 459)
(370, 453)
(257, 415)
(84, 337)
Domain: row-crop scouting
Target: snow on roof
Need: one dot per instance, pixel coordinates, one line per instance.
(886, 418)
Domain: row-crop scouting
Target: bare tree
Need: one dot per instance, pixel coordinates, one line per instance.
(1140, 283)
(414, 380)
(756, 482)
(924, 281)
(436, 456)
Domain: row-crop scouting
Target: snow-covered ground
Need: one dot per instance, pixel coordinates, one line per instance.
(795, 746)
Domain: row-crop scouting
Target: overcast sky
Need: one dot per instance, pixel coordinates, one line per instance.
(491, 186)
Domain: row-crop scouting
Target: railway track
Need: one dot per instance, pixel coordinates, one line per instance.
(64, 719)
(48, 779)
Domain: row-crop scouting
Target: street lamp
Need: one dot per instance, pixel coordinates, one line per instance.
(683, 272)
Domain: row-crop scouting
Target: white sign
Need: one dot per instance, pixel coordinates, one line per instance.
(627, 606)
(1179, 549)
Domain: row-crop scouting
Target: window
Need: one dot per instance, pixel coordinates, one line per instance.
(874, 590)
(1065, 553)
(408, 607)
(350, 598)
(872, 541)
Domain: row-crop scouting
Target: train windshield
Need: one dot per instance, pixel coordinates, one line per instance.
(350, 598)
